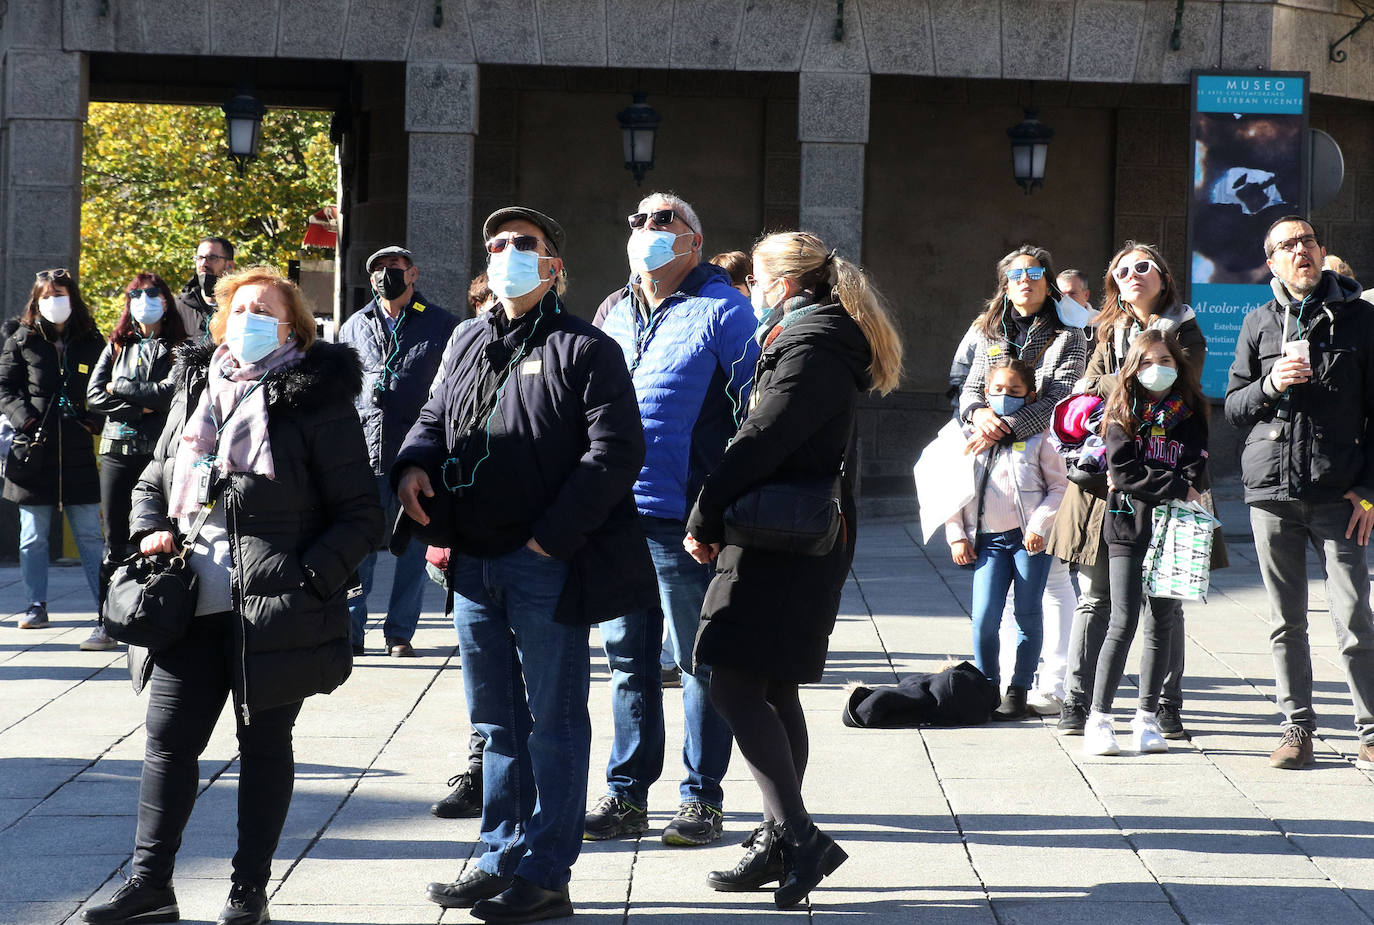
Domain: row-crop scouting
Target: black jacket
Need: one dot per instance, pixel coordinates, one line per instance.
(957, 696)
(406, 364)
(1147, 468)
(195, 312)
(552, 455)
(766, 612)
(141, 388)
(32, 377)
(1318, 443)
(296, 540)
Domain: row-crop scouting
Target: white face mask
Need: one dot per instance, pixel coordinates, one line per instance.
(55, 308)
(649, 250)
(146, 309)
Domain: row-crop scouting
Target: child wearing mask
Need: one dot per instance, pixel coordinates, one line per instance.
(1001, 533)
(1155, 430)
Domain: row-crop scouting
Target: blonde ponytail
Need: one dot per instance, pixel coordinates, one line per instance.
(803, 257)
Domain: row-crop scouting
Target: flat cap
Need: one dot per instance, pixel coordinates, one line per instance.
(387, 252)
(552, 230)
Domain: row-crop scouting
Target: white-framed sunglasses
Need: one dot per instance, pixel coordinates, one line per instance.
(1138, 267)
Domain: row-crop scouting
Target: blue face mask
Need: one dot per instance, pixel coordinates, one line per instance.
(513, 273)
(1003, 405)
(250, 336)
(146, 309)
(650, 250)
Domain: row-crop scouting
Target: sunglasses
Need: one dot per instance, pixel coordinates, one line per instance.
(659, 217)
(60, 273)
(1139, 268)
(150, 291)
(521, 242)
(1033, 272)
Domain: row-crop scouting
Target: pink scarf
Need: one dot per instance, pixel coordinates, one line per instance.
(228, 428)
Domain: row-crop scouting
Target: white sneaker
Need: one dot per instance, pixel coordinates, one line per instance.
(1146, 736)
(1043, 704)
(1098, 737)
(98, 641)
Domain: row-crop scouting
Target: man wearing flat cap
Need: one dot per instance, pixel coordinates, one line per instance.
(400, 337)
(529, 448)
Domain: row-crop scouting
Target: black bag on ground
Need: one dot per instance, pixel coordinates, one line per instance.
(799, 516)
(150, 601)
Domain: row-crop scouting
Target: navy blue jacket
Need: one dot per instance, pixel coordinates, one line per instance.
(555, 458)
(413, 358)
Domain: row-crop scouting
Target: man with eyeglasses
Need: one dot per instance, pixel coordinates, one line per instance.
(530, 444)
(400, 337)
(1302, 384)
(196, 301)
(688, 339)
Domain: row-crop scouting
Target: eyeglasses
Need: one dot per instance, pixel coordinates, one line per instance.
(521, 242)
(59, 273)
(1302, 243)
(1033, 272)
(206, 258)
(1139, 268)
(659, 217)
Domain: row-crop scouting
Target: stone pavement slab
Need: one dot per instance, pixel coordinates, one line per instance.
(1007, 823)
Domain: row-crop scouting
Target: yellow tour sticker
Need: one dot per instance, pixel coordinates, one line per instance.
(1019, 446)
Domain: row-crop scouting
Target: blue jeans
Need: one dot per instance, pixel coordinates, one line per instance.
(407, 587)
(633, 643)
(1002, 561)
(35, 523)
(527, 679)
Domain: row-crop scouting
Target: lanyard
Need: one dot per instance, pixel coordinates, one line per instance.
(210, 458)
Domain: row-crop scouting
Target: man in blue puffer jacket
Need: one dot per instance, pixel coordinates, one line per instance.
(400, 337)
(688, 340)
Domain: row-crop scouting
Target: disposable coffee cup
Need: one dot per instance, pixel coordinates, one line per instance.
(1298, 348)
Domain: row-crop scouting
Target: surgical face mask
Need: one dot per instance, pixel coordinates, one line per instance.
(650, 250)
(389, 282)
(250, 336)
(757, 298)
(1003, 405)
(146, 309)
(513, 273)
(1157, 378)
(55, 308)
(207, 282)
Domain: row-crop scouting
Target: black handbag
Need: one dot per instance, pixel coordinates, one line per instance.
(151, 599)
(798, 516)
(27, 452)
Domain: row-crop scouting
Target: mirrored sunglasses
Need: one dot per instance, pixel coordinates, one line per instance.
(1033, 272)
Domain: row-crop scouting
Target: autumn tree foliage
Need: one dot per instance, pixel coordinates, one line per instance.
(158, 178)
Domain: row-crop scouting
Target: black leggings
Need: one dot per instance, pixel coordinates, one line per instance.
(770, 728)
(190, 682)
(118, 476)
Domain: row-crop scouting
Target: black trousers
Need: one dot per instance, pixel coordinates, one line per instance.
(118, 476)
(189, 685)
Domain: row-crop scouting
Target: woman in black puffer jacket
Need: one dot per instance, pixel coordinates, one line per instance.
(267, 415)
(132, 387)
(767, 617)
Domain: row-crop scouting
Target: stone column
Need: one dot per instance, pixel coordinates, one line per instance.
(40, 171)
(832, 125)
(441, 122)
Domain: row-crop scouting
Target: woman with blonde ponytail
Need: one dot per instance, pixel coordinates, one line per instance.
(766, 622)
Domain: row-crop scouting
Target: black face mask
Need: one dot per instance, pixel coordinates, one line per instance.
(207, 284)
(389, 282)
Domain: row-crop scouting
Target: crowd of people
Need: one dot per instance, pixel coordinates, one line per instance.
(555, 474)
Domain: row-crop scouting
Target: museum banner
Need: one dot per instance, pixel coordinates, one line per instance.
(1250, 150)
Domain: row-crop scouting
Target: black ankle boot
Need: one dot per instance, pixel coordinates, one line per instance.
(762, 863)
(808, 855)
(137, 901)
(247, 905)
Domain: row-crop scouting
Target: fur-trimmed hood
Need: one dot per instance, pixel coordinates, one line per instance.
(327, 373)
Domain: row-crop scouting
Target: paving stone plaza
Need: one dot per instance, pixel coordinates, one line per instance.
(995, 824)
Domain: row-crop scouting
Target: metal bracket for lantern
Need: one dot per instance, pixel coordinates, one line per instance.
(1366, 7)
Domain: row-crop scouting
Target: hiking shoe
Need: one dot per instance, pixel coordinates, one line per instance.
(98, 641)
(1013, 704)
(1294, 751)
(1364, 758)
(1044, 704)
(247, 905)
(1072, 719)
(612, 817)
(36, 617)
(1170, 723)
(465, 802)
(1098, 736)
(761, 864)
(136, 900)
(1145, 735)
(695, 824)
